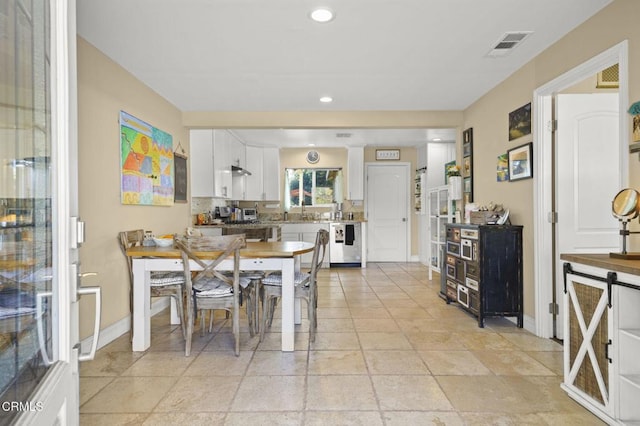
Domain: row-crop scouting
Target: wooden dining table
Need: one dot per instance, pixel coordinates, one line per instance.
(281, 256)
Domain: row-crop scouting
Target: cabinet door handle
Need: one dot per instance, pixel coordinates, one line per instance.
(606, 351)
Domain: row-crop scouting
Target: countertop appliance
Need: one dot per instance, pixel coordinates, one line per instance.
(250, 214)
(345, 244)
(223, 212)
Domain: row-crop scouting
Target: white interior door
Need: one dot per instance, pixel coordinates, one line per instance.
(388, 212)
(588, 176)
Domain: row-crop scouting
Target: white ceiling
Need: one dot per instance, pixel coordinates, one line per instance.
(257, 55)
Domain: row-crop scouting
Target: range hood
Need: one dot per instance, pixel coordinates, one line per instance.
(239, 171)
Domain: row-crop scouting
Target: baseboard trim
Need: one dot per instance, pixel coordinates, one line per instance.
(118, 328)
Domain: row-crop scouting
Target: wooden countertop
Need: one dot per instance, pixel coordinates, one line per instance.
(604, 261)
(253, 249)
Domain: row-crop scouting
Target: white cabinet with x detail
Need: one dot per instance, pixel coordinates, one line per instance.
(602, 340)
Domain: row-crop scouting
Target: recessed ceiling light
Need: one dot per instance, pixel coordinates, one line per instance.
(322, 15)
(311, 144)
(436, 139)
(326, 99)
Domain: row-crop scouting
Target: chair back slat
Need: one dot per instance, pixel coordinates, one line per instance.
(128, 239)
(322, 239)
(226, 245)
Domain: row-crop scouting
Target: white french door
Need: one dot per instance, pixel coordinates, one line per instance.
(39, 230)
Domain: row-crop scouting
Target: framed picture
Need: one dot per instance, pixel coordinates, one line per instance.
(521, 162)
(387, 154)
(180, 173)
(466, 149)
(502, 168)
(466, 166)
(636, 128)
(467, 184)
(520, 122)
(467, 135)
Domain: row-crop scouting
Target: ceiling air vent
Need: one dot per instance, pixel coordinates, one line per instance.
(507, 43)
(343, 135)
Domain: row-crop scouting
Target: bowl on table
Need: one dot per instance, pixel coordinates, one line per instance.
(163, 241)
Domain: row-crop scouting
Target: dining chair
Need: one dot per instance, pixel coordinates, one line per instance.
(161, 283)
(210, 289)
(306, 287)
(251, 293)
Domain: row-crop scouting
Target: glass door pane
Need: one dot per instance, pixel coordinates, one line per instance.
(26, 292)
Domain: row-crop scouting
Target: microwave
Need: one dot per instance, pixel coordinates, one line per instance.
(250, 214)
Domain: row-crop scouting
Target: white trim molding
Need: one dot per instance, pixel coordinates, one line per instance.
(543, 174)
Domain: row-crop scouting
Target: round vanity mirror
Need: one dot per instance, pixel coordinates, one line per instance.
(625, 204)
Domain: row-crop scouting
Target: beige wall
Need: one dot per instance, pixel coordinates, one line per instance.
(104, 89)
(488, 116)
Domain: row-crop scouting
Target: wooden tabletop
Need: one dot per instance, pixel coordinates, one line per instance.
(604, 261)
(253, 249)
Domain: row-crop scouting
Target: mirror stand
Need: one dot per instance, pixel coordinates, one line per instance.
(624, 232)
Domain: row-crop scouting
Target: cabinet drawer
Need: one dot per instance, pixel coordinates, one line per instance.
(452, 294)
(453, 234)
(452, 284)
(473, 269)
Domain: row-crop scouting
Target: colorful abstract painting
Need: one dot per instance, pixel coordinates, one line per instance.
(146, 161)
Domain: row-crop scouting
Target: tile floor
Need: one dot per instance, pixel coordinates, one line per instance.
(389, 351)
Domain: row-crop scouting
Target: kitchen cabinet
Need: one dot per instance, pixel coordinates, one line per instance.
(305, 232)
(602, 335)
(264, 165)
(483, 270)
(355, 173)
(201, 173)
(210, 160)
(222, 164)
(440, 213)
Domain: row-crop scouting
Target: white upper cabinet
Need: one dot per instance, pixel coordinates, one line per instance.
(355, 173)
(222, 164)
(271, 174)
(202, 176)
(254, 184)
(264, 182)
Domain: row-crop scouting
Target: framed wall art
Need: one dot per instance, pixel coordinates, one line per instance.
(387, 154)
(520, 122)
(521, 162)
(146, 162)
(467, 163)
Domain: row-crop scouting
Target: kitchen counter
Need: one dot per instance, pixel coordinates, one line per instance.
(264, 223)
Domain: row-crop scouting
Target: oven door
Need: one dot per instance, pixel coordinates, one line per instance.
(463, 295)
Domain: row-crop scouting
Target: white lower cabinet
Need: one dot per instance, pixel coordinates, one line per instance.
(602, 339)
(305, 232)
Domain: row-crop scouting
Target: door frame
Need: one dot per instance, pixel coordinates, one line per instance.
(543, 241)
(407, 166)
(58, 392)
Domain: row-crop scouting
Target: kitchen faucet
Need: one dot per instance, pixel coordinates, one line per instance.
(304, 214)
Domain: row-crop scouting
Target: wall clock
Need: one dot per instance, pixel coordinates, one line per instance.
(313, 157)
